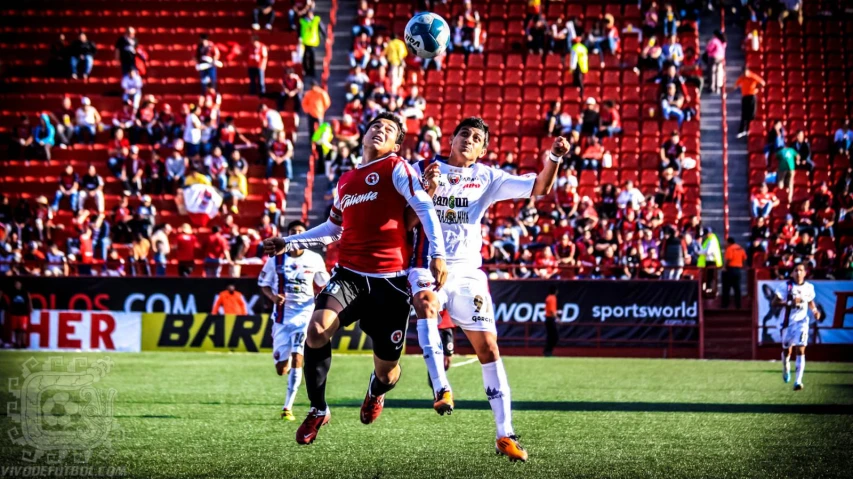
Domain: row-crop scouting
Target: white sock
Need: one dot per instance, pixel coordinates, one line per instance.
(801, 366)
(786, 363)
(497, 390)
(294, 379)
(430, 342)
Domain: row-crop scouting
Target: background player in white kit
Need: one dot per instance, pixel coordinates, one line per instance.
(288, 281)
(797, 296)
(462, 191)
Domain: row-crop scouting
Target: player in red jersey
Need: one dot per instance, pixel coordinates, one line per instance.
(370, 283)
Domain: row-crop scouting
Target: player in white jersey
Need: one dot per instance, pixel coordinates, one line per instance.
(462, 191)
(797, 296)
(288, 281)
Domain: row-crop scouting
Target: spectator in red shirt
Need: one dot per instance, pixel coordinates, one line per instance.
(87, 253)
(22, 138)
(291, 90)
(650, 266)
(545, 264)
(670, 189)
(346, 131)
(258, 55)
(763, 201)
(610, 120)
(216, 253)
(69, 185)
(275, 201)
(281, 153)
(593, 154)
(185, 251)
(123, 119)
(825, 220)
(133, 171)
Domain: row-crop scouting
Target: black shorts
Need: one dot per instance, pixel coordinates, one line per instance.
(380, 304)
(447, 340)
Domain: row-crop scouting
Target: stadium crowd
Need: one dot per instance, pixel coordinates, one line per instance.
(630, 228)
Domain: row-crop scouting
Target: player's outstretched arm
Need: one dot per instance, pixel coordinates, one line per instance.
(546, 178)
(322, 235)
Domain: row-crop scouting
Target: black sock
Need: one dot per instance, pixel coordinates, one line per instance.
(377, 387)
(317, 364)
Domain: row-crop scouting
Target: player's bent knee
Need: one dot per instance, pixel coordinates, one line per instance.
(426, 304)
(488, 352)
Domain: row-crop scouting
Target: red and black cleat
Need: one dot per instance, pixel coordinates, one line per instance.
(307, 432)
(371, 408)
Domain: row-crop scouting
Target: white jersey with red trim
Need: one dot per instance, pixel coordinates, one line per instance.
(294, 277)
(461, 200)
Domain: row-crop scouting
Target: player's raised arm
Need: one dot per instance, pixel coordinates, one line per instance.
(546, 178)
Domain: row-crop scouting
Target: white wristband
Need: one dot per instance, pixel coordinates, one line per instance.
(555, 158)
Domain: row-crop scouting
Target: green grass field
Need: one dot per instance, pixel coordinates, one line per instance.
(216, 415)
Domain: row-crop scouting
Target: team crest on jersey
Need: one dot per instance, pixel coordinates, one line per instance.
(372, 178)
(397, 336)
(424, 284)
(454, 178)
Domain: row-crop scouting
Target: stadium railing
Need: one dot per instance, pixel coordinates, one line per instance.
(725, 125)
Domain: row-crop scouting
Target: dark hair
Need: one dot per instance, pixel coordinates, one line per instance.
(720, 35)
(474, 122)
(730, 240)
(295, 223)
(386, 115)
(203, 36)
(215, 229)
(552, 290)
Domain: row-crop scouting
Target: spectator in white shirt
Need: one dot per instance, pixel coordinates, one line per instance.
(673, 52)
(192, 131)
(87, 119)
(630, 197)
(271, 123)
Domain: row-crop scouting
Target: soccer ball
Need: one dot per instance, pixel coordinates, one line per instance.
(427, 35)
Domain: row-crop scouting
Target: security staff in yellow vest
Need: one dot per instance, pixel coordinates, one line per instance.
(311, 29)
(710, 258)
(579, 62)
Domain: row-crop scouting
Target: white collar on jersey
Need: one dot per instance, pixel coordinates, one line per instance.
(363, 164)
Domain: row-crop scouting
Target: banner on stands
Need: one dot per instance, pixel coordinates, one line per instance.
(85, 330)
(834, 300)
(616, 311)
(143, 295)
(214, 332)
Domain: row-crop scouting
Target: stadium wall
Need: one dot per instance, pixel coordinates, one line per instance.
(596, 318)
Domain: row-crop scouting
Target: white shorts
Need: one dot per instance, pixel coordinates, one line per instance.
(796, 334)
(288, 337)
(465, 295)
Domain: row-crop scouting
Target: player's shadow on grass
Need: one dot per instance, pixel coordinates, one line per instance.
(776, 371)
(589, 406)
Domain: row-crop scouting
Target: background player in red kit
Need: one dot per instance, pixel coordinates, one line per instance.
(370, 283)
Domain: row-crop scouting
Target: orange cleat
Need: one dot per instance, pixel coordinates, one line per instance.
(371, 408)
(307, 432)
(443, 402)
(510, 447)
